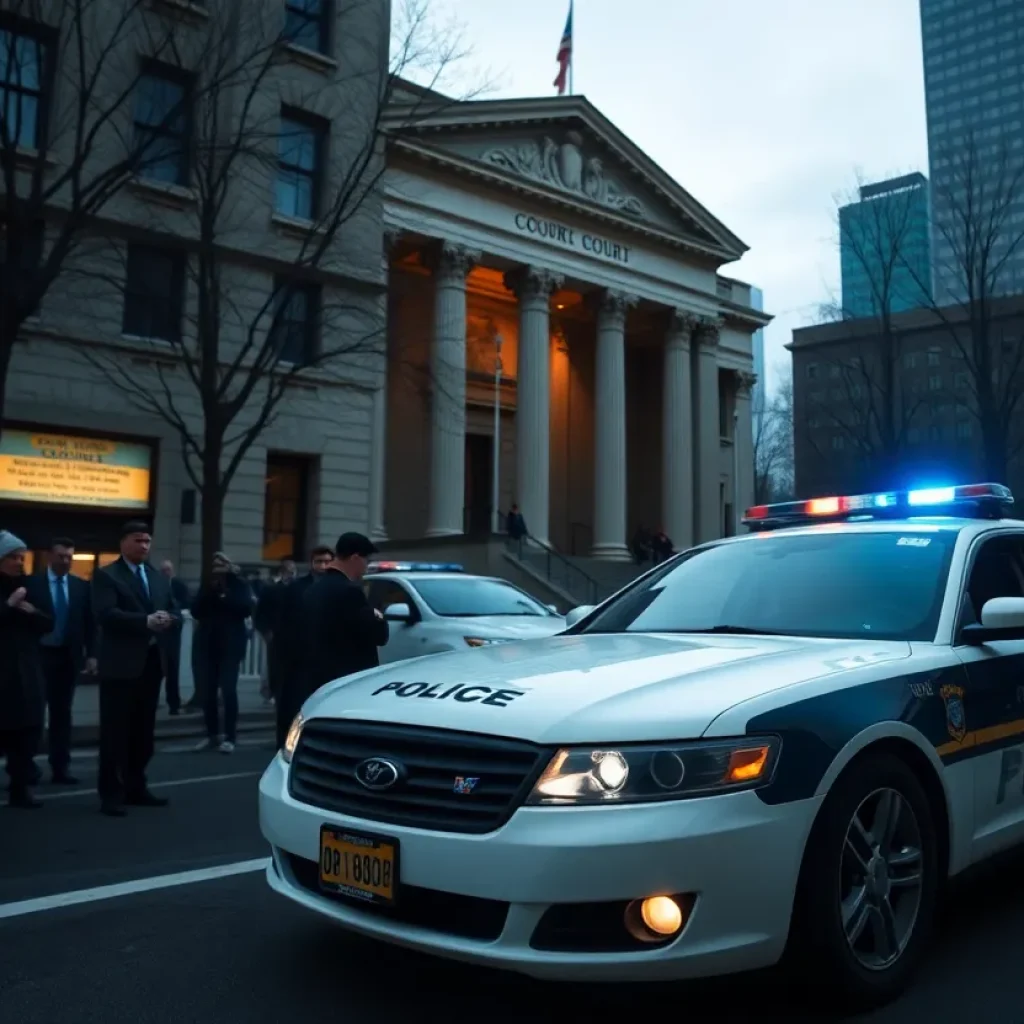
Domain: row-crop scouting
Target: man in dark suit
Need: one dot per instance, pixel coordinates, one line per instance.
(171, 640)
(287, 654)
(133, 607)
(67, 651)
(342, 631)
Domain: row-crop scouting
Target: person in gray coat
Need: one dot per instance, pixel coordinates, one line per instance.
(22, 683)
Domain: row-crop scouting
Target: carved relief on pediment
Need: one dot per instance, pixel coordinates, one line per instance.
(564, 166)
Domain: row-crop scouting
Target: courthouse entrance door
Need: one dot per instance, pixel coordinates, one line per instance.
(479, 460)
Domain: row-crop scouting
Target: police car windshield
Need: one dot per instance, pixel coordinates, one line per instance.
(851, 585)
(469, 597)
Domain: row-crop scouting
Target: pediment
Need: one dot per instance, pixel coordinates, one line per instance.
(579, 157)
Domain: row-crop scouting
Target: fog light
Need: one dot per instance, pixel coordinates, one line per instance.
(662, 915)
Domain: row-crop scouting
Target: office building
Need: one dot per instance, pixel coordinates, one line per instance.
(974, 87)
(885, 248)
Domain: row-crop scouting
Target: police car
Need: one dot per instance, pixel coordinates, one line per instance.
(433, 607)
(775, 747)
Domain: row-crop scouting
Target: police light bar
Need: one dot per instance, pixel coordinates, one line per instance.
(969, 501)
(414, 567)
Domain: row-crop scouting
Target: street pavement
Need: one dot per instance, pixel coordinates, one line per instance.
(225, 949)
(254, 713)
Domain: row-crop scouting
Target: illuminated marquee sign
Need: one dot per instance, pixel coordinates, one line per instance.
(61, 469)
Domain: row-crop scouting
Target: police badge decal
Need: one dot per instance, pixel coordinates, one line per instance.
(956, 718)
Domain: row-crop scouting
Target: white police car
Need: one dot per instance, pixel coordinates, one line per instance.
(780, 742)
(433, 607)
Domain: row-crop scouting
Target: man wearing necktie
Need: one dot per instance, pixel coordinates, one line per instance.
(133, 606)
(66, 652)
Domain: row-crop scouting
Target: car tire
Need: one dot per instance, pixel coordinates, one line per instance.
(828, 910)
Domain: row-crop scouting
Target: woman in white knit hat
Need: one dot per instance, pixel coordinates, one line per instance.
(22, 684)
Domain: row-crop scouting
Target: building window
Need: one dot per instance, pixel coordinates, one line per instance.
(963, 430)
(300, 153)
(296, 325)
(163, 125)
(838, 443)
(23, 60)
(285, 507)
(154, 291)
(910, 361)
(305, 24)
(812, 371)
(933, 358)
(935, 382)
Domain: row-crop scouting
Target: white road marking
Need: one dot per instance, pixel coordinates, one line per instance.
(109, 892)
(155, 785)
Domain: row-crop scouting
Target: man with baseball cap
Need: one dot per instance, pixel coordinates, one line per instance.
(343, 632)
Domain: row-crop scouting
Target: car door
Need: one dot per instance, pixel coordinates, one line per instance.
(403, 637)
(992, 707)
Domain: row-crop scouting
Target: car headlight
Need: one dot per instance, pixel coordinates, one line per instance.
(291, 741)
(482, 641)
(657, 771)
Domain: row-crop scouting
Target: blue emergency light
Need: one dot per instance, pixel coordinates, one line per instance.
(414, 567)
(968, 501)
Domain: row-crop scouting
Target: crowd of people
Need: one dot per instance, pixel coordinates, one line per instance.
(124, 628)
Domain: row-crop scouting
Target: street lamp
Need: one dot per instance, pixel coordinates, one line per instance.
(737, 514)
(496, 459)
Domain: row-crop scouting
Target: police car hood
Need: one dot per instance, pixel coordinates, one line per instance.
(591, 688)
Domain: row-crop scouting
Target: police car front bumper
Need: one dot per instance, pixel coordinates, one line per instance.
(489, 899)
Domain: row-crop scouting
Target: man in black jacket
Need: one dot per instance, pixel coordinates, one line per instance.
(343, 631)
(220, 609)
(132, 606)
(287, 653)
(66, 651)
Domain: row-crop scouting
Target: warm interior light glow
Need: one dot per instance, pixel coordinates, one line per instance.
(747, 765)
(661, 914)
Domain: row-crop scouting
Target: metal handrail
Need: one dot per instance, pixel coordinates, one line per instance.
(554, 559)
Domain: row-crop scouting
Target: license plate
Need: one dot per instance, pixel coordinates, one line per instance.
(361, 866)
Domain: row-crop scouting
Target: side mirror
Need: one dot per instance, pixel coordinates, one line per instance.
(1002, 618)
(578, 613)
(553, 608)
(398, 613)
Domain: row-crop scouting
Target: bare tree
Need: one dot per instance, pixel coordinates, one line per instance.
(861, 397)
(219, 382)
(69, 84)
(773, 444)
(978, 234)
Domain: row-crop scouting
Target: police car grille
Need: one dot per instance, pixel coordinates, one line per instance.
(323, 773)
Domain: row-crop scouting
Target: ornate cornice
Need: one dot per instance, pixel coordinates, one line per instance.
(533, 283)
(451, 263)
(745, 382)
(611, 306)
(709, 331)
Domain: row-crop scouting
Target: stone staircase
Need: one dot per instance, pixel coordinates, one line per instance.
(580, 580)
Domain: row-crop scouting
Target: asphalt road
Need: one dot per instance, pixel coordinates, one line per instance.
(226, 950)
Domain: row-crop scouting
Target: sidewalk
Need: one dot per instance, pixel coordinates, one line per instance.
(253, 714)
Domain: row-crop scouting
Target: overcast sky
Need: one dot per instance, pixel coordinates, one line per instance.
(763, 110)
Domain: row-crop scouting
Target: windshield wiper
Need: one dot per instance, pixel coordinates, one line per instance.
(730, 631)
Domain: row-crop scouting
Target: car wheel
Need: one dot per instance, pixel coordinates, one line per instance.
(868, 884)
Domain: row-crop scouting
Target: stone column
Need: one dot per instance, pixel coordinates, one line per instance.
(610, 428)
(677, 431)
(743, 488)
(379, 419)
(708, 463)
(533, 287)
(451, 264)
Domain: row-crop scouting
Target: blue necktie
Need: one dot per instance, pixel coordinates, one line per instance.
(60, 610)
(142, 579)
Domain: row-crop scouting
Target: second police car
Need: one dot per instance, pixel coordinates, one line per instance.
(776, 745)
(432, 607)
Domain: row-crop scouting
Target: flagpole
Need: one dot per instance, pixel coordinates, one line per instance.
(572, 52)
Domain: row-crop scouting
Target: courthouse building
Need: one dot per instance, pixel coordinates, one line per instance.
(626, 357)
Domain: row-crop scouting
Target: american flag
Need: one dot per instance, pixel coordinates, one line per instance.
(564, 55)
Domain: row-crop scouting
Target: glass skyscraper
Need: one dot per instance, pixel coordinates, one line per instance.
(974, 88)
(885, 248)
